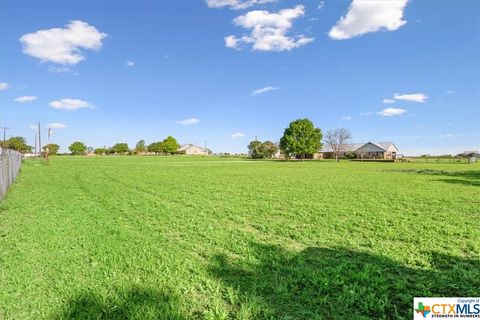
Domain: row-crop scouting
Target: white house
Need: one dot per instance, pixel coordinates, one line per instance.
(192, 149)
(369, 150)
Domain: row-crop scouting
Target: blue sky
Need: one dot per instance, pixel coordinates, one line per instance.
(226, 71)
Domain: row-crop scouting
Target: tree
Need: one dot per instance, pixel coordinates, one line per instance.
(19, 144)
(301, 138)
(261, 150)
(170, 145)
(52, 148)
(253, 149)
(268, 149)
(156, 147)
(140, 146)
(337, 139)
(100, 151)
(120, 148)
(78, 148)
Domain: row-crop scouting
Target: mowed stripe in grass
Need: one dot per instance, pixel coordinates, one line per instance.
(214, 238)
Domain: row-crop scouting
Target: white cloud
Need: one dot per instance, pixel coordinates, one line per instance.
(130, 63)
(412, 97)
(237, 135)
(321, 4)
(189, 121)
(268, 30)
(263, 90)
(3, 86)
(450, 92)
(347, 118)
(33, 126)
(71, 104)
(369, 16)
(63, 45)
(59, 69)
(388, 101)
(390, 112)
(57, 125)
(448, 135)
(25, 99)
(366, 114)
(235, 4)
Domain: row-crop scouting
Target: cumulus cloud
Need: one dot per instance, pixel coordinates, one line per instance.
(130, 63)
(237, 135)
(390, 112)
(263, 90)
(235, 4)
(25, 99)
(57, 125)
(189, 121)
(347, 118)
(369, 16)
(3, 85)
(71, 104)
(412, 97)
(63, 45)
(388, 101)
(268, 31)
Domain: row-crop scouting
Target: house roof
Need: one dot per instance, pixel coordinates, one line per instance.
(189, 146)
(352, 147)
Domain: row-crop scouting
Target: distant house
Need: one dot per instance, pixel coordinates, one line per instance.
(369, 150)
(192, 149)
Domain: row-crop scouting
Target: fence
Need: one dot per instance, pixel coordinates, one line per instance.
(10, 163)
(432, 159)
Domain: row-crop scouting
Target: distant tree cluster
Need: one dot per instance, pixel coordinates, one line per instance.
(18, 144)
(166, 147)
(262, 150)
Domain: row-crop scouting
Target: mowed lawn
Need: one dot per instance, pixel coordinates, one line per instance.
(217, 238)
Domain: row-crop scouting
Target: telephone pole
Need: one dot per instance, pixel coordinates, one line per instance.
(4, 137)
(39, 138)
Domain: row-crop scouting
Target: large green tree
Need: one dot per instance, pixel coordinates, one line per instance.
(78, 148)
(120, 148)
(19, 144)
(170, 145)
(52, 148)
(301, 138)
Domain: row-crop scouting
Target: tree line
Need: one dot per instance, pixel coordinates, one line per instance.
(167, 146)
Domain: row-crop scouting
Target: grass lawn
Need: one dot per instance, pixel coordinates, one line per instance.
(213, 238)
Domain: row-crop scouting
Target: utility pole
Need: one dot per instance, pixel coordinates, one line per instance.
(4, 138)
(39, 138)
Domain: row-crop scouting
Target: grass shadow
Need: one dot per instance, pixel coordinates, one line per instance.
(322, 283)
(467, 178)
(135, 303)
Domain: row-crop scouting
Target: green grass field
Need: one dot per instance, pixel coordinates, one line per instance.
(214, 238)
